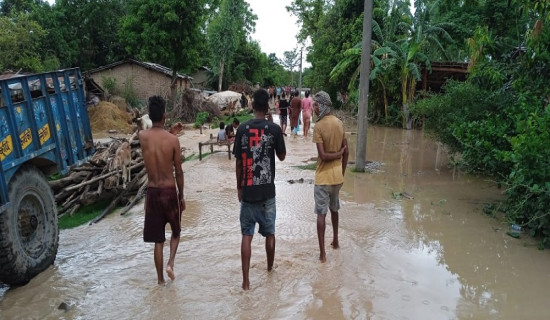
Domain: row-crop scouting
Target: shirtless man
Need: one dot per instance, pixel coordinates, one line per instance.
(163, 204)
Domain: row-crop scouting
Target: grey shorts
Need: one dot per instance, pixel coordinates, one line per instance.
(326, 196)
(262, 213)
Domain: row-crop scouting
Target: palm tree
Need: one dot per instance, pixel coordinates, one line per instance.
(405, 43)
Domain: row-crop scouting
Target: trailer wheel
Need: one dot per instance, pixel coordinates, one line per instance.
(29, 234)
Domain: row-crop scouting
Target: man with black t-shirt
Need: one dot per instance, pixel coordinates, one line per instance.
(256, 143)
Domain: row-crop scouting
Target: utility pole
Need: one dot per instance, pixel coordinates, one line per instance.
(364, 79)
(300, 79)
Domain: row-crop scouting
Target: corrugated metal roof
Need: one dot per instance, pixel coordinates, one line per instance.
(148, 65)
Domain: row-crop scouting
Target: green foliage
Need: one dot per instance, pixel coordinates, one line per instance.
(215, 123)
(55, 176)
(232, 24)
(243, 116)
(167, 32)
(201, 119)
(19, 39)
(109, 84)
(499, 122)
(468, 120)
(529, 180)
(130, 94)
(85, 32)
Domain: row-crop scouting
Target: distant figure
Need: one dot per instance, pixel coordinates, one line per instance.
(256, 143)
(164, 201)
(230, 129)
(295, 109)
(221, 133)
(332, 151)
(307, 112)
(283, 112)
(243, 100)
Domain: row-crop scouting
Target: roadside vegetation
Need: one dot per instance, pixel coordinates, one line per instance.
(82, 216)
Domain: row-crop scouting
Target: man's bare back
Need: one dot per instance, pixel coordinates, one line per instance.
(161, 155)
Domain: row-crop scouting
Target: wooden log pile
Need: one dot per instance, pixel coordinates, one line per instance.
(100, 180)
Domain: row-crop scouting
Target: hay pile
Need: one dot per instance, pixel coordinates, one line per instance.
(107, 116)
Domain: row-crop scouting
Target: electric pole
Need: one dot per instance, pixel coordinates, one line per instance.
(300, 79)
(362, 119)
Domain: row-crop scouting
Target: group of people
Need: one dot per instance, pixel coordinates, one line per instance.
(293, 107)
(276, 92)
(257, 143)
(227, 132)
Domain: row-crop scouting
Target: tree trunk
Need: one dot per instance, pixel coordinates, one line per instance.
(404, 106)
(220, 75)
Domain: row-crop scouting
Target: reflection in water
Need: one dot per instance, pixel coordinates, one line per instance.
(434, 256)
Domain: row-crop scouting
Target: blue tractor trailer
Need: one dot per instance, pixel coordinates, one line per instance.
(44, 129)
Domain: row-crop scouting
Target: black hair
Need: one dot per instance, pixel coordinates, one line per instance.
(157, 107)
(236, 121)
(307, 93)
(283, 95)
(261, 100)
(222, 125)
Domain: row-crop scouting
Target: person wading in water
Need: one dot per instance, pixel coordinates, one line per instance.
(163, 203)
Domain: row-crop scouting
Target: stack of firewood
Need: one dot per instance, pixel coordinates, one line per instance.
(100, 180)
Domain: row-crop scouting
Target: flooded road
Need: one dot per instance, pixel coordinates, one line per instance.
(414, 245)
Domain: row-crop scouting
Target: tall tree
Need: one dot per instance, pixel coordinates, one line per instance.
(226, 30)
(166, 32)
(19, 39)
(290, 61)
(8, 7)
(87, 31)
(309, 13)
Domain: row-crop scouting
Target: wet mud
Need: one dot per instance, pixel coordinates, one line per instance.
(414, 244)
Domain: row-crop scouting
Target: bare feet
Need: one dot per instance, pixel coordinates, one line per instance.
(161, 282)
(323, 257)
(334, 245)
(170, 272)
(246, 285)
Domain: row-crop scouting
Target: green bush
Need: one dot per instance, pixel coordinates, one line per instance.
(201, 119)
(109, 84)
(499, 122)
(130, 95)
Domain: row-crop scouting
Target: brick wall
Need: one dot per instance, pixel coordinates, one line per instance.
(145, 82)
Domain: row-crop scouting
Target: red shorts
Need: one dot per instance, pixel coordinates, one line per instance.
(161, 207)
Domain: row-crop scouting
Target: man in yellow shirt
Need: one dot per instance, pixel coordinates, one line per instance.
(330, 138)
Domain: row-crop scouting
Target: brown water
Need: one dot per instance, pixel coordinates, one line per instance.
(436, 256)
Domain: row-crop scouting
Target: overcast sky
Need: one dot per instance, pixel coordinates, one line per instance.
(276, 29)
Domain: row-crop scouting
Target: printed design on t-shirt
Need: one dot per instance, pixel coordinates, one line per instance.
(257, 168)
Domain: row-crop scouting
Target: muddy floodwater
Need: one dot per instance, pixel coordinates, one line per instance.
(415, 244)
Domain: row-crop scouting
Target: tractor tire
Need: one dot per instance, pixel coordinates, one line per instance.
(29, 234)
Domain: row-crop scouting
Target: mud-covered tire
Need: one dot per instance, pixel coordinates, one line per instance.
(29, 233)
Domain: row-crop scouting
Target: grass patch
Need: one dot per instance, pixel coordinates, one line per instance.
(190, 157)
(242, 116)
(195, 156)
(55, 176)
(311, 166)
(83, 215)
